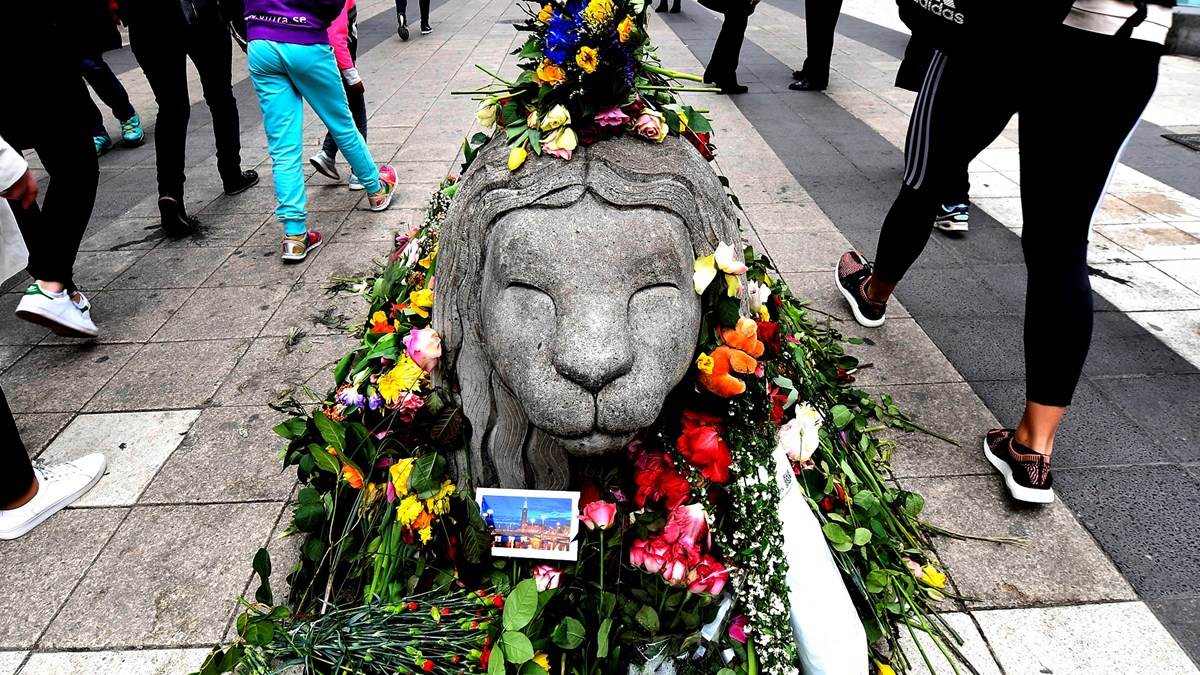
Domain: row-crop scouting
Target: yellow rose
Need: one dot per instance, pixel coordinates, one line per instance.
(546, 14)
(704, 363)
(557, 117)
(587, 58)
(705, 272)
(549, 73)
(561, 139)
(732, 285)
(420, 302)
(625, 29)
(516, 157)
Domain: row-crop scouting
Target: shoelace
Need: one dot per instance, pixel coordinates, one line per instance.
(51, 472)
(127, 125)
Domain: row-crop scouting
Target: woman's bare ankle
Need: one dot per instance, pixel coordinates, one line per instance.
(23, 499)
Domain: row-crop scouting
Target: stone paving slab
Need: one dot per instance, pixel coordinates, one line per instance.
(10, 661)
(147, 662)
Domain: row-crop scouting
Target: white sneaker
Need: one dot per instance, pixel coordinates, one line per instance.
(58, 312)
(58, 486)
(325, 165)
(355, 184)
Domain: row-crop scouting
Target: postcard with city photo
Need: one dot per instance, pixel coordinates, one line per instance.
(531, 523)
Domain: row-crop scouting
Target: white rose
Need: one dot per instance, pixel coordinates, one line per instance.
(801, 436)
(486, 114)
(557, 117)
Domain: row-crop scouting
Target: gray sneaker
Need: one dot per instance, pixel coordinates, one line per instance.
(325, 165)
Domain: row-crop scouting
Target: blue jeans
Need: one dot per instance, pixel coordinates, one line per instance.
(108, 88)
(284, 76)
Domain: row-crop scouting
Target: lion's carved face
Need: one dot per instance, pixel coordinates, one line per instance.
(589, 317)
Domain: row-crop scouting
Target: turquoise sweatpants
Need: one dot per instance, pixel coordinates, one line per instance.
(284, 76)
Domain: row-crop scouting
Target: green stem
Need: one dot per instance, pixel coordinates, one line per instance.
(673, 74)
(657, 87)
(751, 658)
(497, 77)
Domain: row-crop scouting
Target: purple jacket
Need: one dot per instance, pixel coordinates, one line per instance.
(299, 22)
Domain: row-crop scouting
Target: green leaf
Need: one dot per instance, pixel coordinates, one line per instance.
(569, 633)
(496, 662)
(835, 534)
(862, 536)
(876, 581)
(841, 416)
(342, 369)
(517, 648)
(602, 638)
(262, 567)
(331, 432)
(728, 312)
(259, 633)
(648, 619)
(309, 517)
(913, 504)
(426, 477)
(476, 543)
(325, 460)
(520, 605)
(532, 49)
(293, 428)
(726, 671)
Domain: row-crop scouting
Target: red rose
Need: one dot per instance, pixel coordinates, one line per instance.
(701, 443)
(589, 134)
(498, 600)
(779, 399)
(768, 334)
(702, 144)
(427, 666)
(708, 576)
(656, 479)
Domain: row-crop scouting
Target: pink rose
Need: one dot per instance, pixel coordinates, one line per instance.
(408, 404)
(546, 577)
(599, 514)
(708, 576)
(675, 572)
(649, 555)
(651, 125)
(687, 528)
(424, 346)
(637, 553)
(613, 117)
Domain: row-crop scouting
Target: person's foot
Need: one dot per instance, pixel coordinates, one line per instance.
(1026, 472)
(175, 219)
(731, 87)
(952, 218)
(426, 29)
(297, 247)
(58, 486)
(805, 83)
(798, 75)
(675, 9)
(851, 274)
(401, 27)
(662, 7)
(354, 183)
(378, 201)
(131, 132)
(325, 166)
(242, 182)
(103, 144)
(59, 312)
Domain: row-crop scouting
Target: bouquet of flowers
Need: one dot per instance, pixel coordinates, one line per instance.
(588, 71)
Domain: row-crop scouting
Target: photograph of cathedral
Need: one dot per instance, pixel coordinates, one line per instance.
(531, 523)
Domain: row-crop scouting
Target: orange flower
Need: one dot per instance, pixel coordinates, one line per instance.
(352, 476)
(625, 29)
(424, 520)
(550, 74)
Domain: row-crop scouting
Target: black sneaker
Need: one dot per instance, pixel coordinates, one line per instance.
(401, 27)
(851, 274)
(242, 182)
(426, 29)
(175, 219)
(1026, 474)
(952, 218)
(806, 83)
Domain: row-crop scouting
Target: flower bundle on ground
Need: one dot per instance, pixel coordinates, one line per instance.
(680, 560)
(588, 71)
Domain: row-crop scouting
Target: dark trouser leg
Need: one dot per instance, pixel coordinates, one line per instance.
(106, 85)
(821, 17)
(209, 46)
(161, 54)
(63, 142)
(424, 11)
(16, 471)
(722, 66)
(358, 110)
(960, 109)
(1058, 205)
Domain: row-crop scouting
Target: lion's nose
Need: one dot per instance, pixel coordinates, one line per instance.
(593, 347)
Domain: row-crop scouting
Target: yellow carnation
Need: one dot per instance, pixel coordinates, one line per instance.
(588, 58)
(409, 510)
(546, 14)
(402, 378)
(420, 302)
(598, 12)
(704, 363)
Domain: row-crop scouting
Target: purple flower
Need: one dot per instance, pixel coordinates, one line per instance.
(348, 396)
(374, 400)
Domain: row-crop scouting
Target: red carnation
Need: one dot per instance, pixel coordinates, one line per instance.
(768, 334)
(701, 442)
(498, 600)
(427, 666)
(656, 478)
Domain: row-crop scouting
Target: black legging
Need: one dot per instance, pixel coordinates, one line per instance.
(16, 472)
(1078, 98)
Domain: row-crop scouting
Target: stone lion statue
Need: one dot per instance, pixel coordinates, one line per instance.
(565, 299)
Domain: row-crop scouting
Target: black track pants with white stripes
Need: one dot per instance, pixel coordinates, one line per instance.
(1078, 98)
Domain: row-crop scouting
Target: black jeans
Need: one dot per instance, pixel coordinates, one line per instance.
(16, 471)
(358, 109)
(723, 64)
(162, 50)
(402, 8)
(1095, 85)
(49, 115)
(820, 18)
(110, 90)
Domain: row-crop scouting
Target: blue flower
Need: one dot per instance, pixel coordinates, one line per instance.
(562, 34)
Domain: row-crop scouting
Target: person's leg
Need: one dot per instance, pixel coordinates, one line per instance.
(17, 482)
(424, 15)
(402, 19)
(283, 122)
(821, 17)
(210, 48)
(106, 85)
(314, 72)
(722, 66)
(358, 110)
(1068, 176)
(162, 56)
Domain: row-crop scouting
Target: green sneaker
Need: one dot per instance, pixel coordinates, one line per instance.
(103, 144)
(131, 132)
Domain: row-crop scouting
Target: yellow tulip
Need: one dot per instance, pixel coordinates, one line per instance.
(516, 157)
(933, 576)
